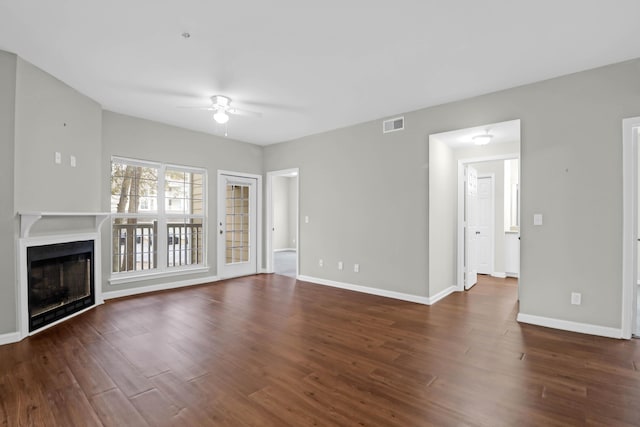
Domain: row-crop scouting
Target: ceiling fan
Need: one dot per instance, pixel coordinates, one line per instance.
(221, 106)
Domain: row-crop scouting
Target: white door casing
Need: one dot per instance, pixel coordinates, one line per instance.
(630, 164)
(238, 225)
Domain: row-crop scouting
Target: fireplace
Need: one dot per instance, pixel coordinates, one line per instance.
(60, 281)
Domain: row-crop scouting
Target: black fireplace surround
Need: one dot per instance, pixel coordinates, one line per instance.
(60, 281)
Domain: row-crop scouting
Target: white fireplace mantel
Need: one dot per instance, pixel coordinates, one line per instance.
(28, 219)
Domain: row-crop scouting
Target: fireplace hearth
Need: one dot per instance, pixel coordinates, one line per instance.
(60, 280)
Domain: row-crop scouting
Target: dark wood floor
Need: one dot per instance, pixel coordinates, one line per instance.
(269, 351)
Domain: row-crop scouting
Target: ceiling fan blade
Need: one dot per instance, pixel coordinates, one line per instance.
(246, 113)
(193, 107)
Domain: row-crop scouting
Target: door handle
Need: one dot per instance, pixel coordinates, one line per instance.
(477, 232)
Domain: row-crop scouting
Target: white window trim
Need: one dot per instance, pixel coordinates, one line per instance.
(148, 275)
(162, 269)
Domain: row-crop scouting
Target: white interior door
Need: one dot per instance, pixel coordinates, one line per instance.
(471, 225)
(484, 227)
(635, 329)
(237, 226)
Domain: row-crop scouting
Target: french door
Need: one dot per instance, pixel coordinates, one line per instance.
(237, 226)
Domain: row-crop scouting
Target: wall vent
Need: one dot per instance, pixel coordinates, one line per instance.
(393, 125)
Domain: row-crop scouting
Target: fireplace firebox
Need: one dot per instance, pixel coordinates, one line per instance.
(60, 281)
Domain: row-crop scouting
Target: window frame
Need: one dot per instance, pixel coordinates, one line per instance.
(162, 267)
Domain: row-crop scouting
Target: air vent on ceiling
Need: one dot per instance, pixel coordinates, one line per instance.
(393, 125)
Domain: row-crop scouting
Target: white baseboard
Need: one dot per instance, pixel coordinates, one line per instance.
(162, 287)
(285, 250)
(567, 325)
(444, 293)
(9, 338)
(380, 292)
(516, 275)
(499, 274)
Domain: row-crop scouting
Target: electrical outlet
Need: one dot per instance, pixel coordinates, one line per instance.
(576, 298)
(356, 268)
(58, 158)
(320, 263)
(72, 161)
(340, 265)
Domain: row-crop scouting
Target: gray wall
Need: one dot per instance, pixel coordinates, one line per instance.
(51, 116)
(366, 199)
(40, 115)
(571, 128)
(131, 137)
(443, 214)
(284, 219)
(8, 220)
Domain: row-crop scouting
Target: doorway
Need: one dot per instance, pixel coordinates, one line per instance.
(488, 218)
(238, 224)
(282, 222)
(454, 257)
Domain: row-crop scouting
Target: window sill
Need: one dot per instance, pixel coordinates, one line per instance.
(118, 280)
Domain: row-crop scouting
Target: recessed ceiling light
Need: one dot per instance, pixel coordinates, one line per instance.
(186, 35)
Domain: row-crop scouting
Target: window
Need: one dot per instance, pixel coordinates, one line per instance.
(237, 217)
(158, 216)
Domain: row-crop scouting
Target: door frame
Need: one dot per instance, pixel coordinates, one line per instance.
(220, 259)
(461, 205)
(269, 222)
(492, 222)
(630, 142)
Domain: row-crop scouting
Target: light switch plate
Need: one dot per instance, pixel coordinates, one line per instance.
(72, 161)
(58, 158)
(537, 219)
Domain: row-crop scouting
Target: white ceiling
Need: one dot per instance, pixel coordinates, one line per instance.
(309, 67)
(501, 133)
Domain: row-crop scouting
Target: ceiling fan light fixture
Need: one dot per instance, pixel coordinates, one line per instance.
(482, 139)
(221, 100)
(221, 117)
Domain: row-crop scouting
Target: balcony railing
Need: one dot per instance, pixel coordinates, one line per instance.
(134, 248)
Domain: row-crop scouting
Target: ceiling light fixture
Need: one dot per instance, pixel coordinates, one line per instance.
(221, 117)
(482, 139)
